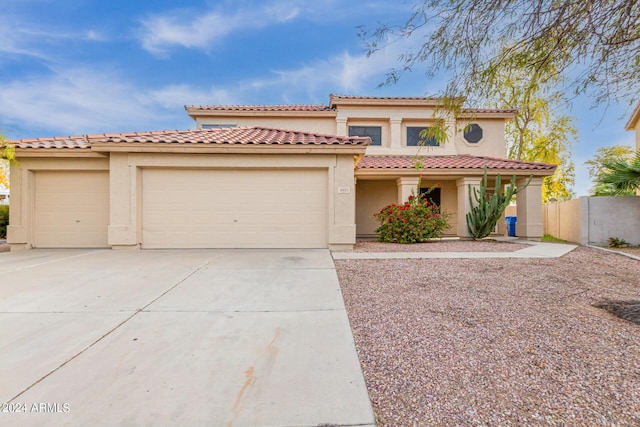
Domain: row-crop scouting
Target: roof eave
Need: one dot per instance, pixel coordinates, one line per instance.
(633, 120)
(136, 147)
(451, 172)
(56, 152)
(199, 112)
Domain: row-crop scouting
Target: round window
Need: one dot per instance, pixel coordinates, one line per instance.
(473, 133)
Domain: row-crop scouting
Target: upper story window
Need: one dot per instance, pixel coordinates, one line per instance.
(473, 133)
(414, 139)
(218, 126)
(373, 132)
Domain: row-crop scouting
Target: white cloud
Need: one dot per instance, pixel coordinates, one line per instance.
(83, 100)
(196, 30)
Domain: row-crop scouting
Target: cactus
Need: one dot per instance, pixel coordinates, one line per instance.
(486, 211)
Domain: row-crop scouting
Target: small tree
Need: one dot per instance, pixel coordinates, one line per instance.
(486, 211)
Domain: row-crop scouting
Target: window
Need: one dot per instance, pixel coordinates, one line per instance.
(218, 126)
(434, 196)
(473, 133)
(414, 139)
(373, 132)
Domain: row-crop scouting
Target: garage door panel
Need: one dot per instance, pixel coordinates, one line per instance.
(234, 208)
(71, 209)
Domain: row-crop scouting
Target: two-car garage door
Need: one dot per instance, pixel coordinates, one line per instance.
(239, 208)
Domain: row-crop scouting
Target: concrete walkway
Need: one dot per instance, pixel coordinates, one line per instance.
(535, 250)
(201, 337)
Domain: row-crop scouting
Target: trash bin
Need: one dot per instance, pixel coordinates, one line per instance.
(511, 225)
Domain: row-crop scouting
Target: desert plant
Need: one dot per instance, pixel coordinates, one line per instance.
(4, 220)
(487, 210)
(417, 220)
(615, 242)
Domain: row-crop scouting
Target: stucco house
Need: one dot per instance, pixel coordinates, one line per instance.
(285, 176)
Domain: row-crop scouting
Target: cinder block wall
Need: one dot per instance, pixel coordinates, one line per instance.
(593, 220)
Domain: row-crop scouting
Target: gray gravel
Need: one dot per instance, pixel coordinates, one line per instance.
(441, 246)
(496, 342)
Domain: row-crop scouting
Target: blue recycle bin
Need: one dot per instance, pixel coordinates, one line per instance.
(511, 225)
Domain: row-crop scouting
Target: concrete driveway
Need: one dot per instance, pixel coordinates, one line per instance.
(201, 337)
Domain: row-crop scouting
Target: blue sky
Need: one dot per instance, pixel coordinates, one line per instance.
(71, 67)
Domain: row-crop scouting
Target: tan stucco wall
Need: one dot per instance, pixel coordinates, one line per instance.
(371, 197)
(21, 216)
(492, 143)
(326, 125)
(125, 228)
(393, 120)
(126, 188)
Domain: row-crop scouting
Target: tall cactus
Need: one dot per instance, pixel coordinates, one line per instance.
(486, 211)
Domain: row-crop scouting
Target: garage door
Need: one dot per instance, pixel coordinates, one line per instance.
(71, 209)
(234, 208)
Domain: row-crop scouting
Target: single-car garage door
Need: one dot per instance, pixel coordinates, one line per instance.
(71, 209)
(267, 208)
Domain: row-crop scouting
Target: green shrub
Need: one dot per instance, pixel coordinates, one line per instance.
(4, 220)
(413, 222)
(615, 242)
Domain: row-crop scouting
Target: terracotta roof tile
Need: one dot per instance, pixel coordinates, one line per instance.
(460, 161)
(489, 110)
(227, 136)
(56, 142)
(399, 98)
(259, 107)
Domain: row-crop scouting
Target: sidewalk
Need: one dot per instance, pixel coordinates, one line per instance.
(535, 250)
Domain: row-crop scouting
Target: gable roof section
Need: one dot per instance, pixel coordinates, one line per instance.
(450, 162)
(195, 138)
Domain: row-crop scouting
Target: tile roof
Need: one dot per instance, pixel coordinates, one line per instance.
(460, 161)
(227, 136)
(399, 98)
(489, 110)
(259, 107)
(56, 142)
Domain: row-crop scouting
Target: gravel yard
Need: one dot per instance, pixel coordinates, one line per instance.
(496, 341)
(441, 246)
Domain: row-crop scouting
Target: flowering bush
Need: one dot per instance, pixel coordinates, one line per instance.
(413, 222)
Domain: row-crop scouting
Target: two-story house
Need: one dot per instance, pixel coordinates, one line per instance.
(288, 176)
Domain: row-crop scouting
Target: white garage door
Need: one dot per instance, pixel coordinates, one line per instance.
(71, 209)
(234, 208)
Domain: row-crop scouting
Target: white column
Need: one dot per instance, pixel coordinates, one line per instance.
(464, 206)
(396, 133)
(529, 211)
(341, 127)
(406, 185)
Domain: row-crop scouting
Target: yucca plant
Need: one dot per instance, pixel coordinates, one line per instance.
(485, 210)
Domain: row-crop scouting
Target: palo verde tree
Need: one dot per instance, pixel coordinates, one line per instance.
(525, 54)
(590, 47)
(539, 132)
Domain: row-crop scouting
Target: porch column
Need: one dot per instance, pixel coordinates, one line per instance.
(463, 202)
(529, 211)
(396, 132)
(406, 184)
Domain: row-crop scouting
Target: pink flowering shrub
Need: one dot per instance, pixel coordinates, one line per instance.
(415, 221)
